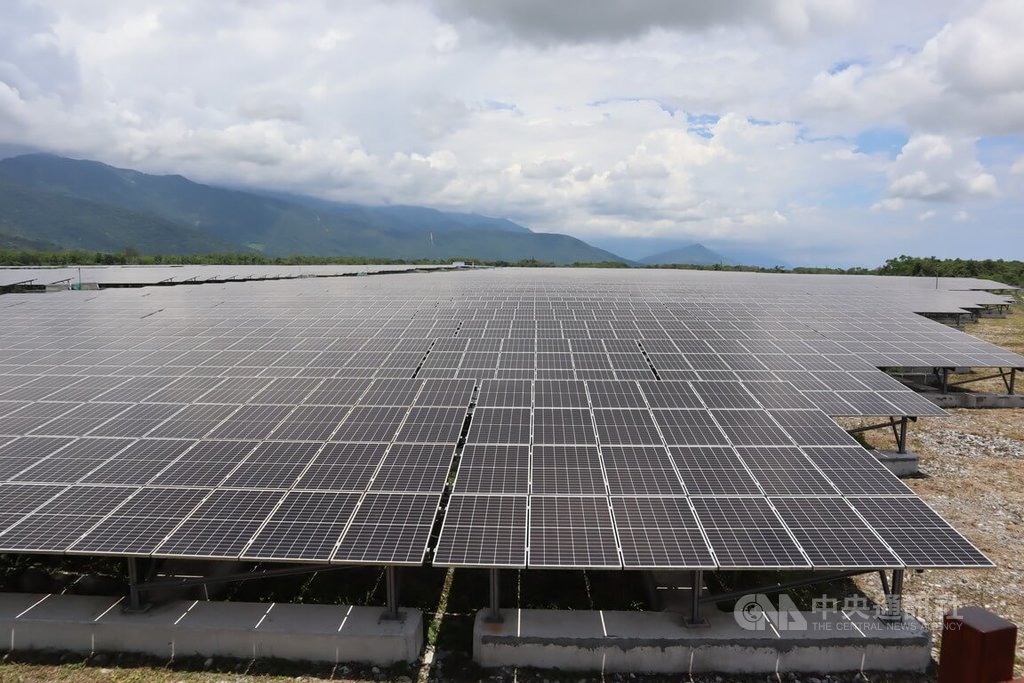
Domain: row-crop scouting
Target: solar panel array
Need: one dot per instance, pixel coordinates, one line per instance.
(143, 275)
(589, 419)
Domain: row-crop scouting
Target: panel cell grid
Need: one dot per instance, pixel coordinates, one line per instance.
(746, 532)
(483, 531)
(660, 532)
(572, 531)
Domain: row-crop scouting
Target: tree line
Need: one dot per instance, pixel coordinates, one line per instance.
(1000, 270)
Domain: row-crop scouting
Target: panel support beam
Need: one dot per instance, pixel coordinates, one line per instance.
(494, 612)
(242, 576)
(893, 610)
(696, 585)
(134, 595)
(783, 587)
(899, 430)
(391, 584)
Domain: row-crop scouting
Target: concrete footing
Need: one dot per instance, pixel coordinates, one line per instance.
(327, 633)
(900, 464)
(970, 400)
(658, 642)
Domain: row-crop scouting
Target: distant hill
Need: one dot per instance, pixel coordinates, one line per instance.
(89, 205)
(692, 255)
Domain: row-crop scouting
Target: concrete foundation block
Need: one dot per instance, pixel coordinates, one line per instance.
(900, 464)
(326, 633)
(659, 642)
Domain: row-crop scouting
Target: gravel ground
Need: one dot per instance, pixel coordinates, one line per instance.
(972, 473)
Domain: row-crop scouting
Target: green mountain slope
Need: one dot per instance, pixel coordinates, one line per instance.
(274, 224)
(32, 218)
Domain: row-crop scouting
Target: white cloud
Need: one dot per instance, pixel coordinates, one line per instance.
(545, 22)
(938, 168)
(888, 204)
(961, 217)
(968, 78)
(927, 215)
(667, 118)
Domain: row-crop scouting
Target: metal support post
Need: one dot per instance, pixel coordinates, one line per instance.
(494, 614)
(885, 582)
(134, 601)
(697, 581)
(945, 380)
(1013, 378)
(391, 581)
(901, 442)
(894, 598)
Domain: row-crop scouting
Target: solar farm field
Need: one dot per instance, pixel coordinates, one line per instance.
(564, 426)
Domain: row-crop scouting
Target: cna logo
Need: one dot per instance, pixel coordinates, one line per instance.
(754, 612)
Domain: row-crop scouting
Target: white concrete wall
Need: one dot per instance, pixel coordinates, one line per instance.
(658, 642)
(326, 633)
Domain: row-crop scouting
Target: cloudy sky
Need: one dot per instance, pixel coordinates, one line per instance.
(819, 131)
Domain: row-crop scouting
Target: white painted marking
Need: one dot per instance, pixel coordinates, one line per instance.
(261, 620)
(185, 613)
(346, 618)
(847, 617)
(106, 611)
(34, 605)
(604, 629)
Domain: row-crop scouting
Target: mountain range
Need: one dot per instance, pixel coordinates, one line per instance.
(52, 202)
(691, 255)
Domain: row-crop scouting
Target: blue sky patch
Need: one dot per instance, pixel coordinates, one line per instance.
(505, 106)
(999, 150)
(881, 141)
(840, 67)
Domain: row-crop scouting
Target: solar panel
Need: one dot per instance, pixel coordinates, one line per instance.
(301, 405)
(626, 427)
(414, 468)
(142, 523)
(615, 394)
(660, 532)
(389, 528)
(746, 533)
(567, 470)
(689, 428)
(483, 531)
(918, 536)
(432, 425)
(343, 467)
(371, 424)
(572, 531)
(221, 526)
(494, 469)
(62, 519)
(306, 527)
(500, 426)
(560, 394)
(640, 471)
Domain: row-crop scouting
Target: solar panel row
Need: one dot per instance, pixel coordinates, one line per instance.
(615, 421)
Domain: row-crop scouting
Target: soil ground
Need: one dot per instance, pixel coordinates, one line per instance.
(972, 466)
